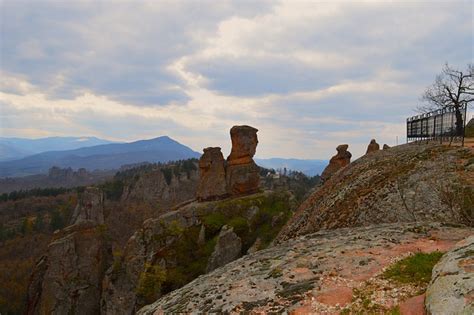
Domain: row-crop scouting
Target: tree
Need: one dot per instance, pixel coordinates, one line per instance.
(26, 226)
(452, 89)
(39, 223)
(57, 221)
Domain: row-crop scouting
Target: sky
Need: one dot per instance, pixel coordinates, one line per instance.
(308, 74)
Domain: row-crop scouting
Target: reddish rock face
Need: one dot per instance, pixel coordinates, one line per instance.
(212, 182)
(244, 144)
(373, 146)
(242, 173)
(340, 160)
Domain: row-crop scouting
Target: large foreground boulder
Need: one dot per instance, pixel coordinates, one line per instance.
(451, 290)
(242, 172)
(340, 160)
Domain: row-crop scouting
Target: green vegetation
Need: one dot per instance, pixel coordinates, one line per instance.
(272, 211)
(415, 269)
(189, 255)
(37, 192)
(113, 190)
(168, 174)
(149, 283)
(469, 133)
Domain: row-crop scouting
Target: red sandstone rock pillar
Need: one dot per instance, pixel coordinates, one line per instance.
(212, 181)
(242, 173)
(373, 146)
(340, 160)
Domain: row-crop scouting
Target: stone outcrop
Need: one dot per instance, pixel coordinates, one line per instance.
(373, 147)
(451, 290)
(242, 173)
(340, 160)
(386, 147)
(322, 273)
(212, 182)
(228, 248)
(185, 240)
(90, 207)
(68, 279)
(154, 187)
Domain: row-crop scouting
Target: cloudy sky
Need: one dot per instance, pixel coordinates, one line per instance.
(308, 74)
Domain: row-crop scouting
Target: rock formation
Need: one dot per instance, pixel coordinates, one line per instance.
(242, 173)
(318, 274)
(68, 279)
(373, 146)
(386, 147)
(184, 240)
(90, 207)
(228, 248)
(340, 160)
(451, 290)
(212, 182)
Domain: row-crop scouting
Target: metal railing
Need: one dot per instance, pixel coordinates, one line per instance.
(447, 124)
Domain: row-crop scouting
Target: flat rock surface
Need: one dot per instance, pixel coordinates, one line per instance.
(322, 273)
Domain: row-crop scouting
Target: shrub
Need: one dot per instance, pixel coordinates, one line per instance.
(149, 283)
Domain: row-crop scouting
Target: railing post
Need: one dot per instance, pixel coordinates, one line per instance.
(464, 127)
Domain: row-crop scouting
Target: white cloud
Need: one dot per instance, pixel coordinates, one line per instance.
(309, 74)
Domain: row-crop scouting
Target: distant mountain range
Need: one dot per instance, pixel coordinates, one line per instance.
(23, 157)
(99, 157)
(308, 167)
(16, 148)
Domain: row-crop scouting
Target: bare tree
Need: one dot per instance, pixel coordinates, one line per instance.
(452, 89)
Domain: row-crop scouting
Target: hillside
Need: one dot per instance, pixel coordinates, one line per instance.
(307, 167)
(101, 157)
(402, 184)
(16, 148)
(28, 219)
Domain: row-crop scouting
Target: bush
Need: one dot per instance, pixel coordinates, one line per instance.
(149, 283)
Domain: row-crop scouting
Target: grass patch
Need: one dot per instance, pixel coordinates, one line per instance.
(415, 269)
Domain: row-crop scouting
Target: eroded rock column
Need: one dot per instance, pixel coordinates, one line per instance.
(212, 181)
(340, 160)
(242, 173)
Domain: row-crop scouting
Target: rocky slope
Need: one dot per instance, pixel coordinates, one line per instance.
(175, 248)
(321, 273)
(401, 184)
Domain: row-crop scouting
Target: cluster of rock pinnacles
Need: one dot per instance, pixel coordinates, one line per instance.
(238, 175)
(343, 158)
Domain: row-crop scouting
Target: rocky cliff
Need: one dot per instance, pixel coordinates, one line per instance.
(68, 278)
(403, 184)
